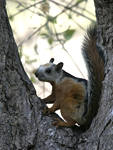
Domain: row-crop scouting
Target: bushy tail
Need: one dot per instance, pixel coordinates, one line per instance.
(94, 58)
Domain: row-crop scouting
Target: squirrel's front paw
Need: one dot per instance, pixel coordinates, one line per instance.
(57, 122)
(48, 110)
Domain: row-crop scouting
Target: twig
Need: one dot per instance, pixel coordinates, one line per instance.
(67, 52)
(25, 8)
(70, 8)
(33, 33)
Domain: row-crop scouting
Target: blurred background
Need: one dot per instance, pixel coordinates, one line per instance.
(50, 28)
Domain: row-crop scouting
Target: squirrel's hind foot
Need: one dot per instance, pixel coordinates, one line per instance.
(60, 123)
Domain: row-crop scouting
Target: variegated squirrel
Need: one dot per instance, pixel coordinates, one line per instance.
(76, 98)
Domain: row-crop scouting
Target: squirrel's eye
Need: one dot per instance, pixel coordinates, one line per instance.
(48, 71)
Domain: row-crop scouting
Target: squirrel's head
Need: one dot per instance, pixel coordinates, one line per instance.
(49, 72)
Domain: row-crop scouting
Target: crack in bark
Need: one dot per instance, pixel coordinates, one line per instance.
(105, 127)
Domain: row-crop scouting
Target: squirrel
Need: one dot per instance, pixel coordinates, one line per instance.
(76, 98)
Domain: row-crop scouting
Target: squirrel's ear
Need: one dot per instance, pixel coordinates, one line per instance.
(59, 67)
(51, 60)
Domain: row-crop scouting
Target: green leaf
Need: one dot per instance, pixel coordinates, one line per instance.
(50, 40)
(32, 79)
(20, 51)
(36, 47)
(11, 18)
(78, 2)
(33, 71)
(68, 34)
(69, 16)
(43, 34)
(52, 19)
(31, 61)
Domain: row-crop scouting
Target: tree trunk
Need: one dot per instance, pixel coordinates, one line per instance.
(22, 123)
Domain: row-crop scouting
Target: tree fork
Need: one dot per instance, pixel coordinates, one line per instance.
(22, 123)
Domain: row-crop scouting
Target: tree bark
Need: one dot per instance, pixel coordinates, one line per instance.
(22, 123)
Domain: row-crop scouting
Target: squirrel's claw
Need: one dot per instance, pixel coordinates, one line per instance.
(48, 110)
(57, 122)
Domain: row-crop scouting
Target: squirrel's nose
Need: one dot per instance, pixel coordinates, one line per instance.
(39, 75)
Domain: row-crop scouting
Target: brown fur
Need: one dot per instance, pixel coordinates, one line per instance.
(68, 97)
(95, 62)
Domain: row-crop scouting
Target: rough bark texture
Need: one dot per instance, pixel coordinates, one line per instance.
(22, 123)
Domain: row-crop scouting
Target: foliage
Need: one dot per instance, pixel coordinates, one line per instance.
(55, 26)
